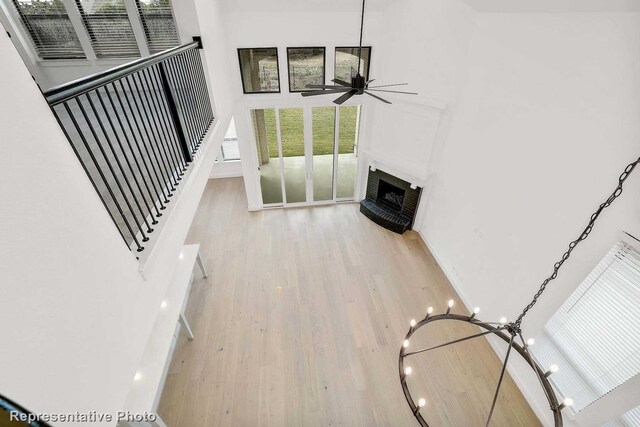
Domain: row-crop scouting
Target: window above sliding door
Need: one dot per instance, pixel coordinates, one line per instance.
(346, 63)
(259, 70)
(306, 66)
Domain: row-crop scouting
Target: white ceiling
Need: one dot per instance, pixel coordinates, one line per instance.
(521, 6)
(305, 5)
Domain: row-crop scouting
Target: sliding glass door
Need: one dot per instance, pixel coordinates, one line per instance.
(324, 130)
(306, 155)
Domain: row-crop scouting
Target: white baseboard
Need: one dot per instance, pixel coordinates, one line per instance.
(450, 277)
(226, 175)
(540, 410)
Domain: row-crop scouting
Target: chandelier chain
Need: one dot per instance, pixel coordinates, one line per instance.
(585, 233)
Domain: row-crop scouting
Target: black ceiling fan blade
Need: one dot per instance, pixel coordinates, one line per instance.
(392, 91)
(395, 84)
(324, 92)
(377, 97)
(341, 82)
(371, 80)
(311, 86)
(345, 97)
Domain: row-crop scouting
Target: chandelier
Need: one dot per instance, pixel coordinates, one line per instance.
(509, 332)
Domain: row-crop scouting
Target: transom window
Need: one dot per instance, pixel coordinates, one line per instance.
(306, 66)
(259, 70)
(347, 66)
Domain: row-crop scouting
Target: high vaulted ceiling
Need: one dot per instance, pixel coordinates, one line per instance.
(305, 5)
(518, 6)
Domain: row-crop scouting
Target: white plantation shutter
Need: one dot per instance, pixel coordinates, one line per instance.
(109, 28)
(158, 24)
(50, 29)
(595, 336)
(629, 419)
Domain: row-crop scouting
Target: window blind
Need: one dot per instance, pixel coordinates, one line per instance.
(158, 24)
(629, 419)
(109, 28)
(595, 335)
(50, 29)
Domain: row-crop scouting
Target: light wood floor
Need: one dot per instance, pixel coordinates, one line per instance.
(301, 321)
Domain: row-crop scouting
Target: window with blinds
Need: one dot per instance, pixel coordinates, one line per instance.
(109, 28)
(158, 24)
(595, 335)
(629, 419)
(50, 29)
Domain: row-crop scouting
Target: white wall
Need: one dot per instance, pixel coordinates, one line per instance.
(421, 43)
(75, 310)
(547, 121)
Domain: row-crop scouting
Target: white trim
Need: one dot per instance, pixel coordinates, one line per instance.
(226, 175)
(136, 25)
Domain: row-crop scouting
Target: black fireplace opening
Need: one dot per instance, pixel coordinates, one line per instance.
(391, 202)
(390, 195)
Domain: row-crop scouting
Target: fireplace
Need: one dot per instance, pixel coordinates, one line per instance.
(390, 195)
(390, 201)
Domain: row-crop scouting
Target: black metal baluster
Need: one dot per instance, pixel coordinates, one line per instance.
(106, 158)
(128, 162)
(202, 84)
(161, 125)
(160, 145)
(146, 160)
(176, 117)
(202, 81)
(167, 117)
(84, 166)
(156, 142)
(187, 119)
(102, 176)
(184, 84)
(200, 69)
(165, 182)
(187, 67)
(133, 153)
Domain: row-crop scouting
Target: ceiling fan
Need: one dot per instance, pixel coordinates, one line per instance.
(358, 85)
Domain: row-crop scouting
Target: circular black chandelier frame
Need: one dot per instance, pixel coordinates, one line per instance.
(507, 332)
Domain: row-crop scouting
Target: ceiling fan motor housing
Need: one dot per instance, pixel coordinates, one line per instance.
(358, 82)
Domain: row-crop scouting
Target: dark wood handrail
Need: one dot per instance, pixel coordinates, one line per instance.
(72, 89)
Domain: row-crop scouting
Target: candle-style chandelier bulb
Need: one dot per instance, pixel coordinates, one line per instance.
(567, 402)
(552, 370)
(413, 323)
(429, 312)
(531, 342)
(450, 304)
(421, 403)
(408, 370)
(405, 343)
(503, 321)
(475, 313)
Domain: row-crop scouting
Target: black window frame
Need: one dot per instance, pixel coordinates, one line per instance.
(324, 67)
(244, 89)
(335, 56)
